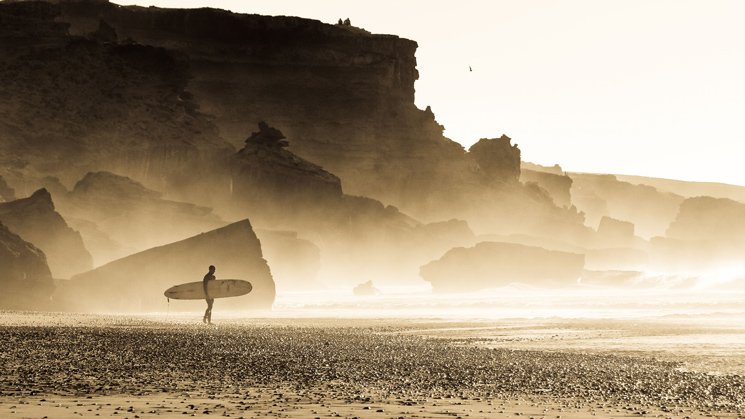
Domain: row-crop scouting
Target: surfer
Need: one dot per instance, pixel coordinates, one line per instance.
(209, 277)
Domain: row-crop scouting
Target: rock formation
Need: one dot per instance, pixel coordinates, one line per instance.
(492, 264)
(26, 280)
(706, 218)
(558, 186)
(650, 210)
(267, 178)
(137, 282)
(614, 233)
(497, 158)
(75, 105)
(108, 207)
(35, 219)
(242, 69)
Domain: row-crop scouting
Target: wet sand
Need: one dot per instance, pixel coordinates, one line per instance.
(138, 367)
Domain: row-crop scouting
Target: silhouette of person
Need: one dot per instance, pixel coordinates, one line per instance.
(209, 277)
(347, 22)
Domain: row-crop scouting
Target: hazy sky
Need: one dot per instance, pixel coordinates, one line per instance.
(647, 87)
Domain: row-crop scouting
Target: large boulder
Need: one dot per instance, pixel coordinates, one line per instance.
(36, 220)
(137, 282)
(26, 281)
(493, 264)
(498, 159)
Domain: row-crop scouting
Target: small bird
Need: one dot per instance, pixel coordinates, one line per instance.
(469, 68)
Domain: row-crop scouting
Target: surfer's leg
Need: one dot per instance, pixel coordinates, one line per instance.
(208, 313)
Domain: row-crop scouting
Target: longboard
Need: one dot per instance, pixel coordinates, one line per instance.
(218, 288)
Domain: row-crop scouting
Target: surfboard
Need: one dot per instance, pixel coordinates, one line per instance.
(218, 288)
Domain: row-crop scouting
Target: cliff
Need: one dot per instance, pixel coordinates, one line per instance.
(345, 97)
(707, 218)
(36, 220)
(76, 105)
(26, 280)
(137, 282)
(649, 209)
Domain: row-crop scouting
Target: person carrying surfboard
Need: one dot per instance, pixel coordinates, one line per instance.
(209, 277)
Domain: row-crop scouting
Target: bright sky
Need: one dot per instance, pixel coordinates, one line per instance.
(647, 87)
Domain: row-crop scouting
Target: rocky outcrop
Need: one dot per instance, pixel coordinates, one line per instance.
(268, 178)
(497, 159)
(127, 217)
(36, 220)
(137, 282)
(706, 218)
(26, 280)
(558, 186)
(492, 264)
(650, 210)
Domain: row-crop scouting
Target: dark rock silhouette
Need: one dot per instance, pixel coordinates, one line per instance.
(25, 280)
(266, 176)
(36, 220)
(497, 158)
(492, 264)
(137, 282)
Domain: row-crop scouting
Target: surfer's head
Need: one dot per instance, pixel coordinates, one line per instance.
(212, 268)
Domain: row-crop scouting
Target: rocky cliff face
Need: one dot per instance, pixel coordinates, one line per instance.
(706, 218)
(75, 105)
(137, 282)
(345, 97)
(26, 280)
(36, 220)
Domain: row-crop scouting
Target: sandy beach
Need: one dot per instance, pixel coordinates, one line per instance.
(57, 365)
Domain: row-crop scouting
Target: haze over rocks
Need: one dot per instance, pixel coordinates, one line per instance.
(136, 121)
(35, 219)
